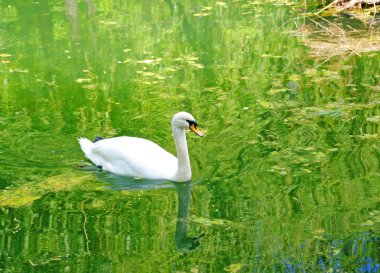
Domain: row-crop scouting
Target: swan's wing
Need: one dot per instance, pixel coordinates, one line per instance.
(133, 156)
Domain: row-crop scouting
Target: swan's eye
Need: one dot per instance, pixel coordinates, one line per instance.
(191, 122)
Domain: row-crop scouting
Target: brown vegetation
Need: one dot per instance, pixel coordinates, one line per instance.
(327, 36)
(341, 5)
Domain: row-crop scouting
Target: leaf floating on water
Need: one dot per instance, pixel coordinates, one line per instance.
(275, 91)
(265, 104)
(83, 80)
(328, 113)
(159, 77)
(367, 223)
(222, 4)
(145, 62)
(171, 69)
(294, 77)
(126, 61)
(149, 61)
(96, 204)
(271, 56)
(215, 222)
(199, 66)
(151, 75)
(329, 74)
(206, 8)
(143, 82)
(4, 55)
(11, 199)
(89, 86)
(319, 156)
(202, 14)
(25, 194)
(194, 270)
(374, 119)
(233, 268)
(320, 238)
(268, 104)
(335, 251)
(209, 222)
(374, 212)
(280, 170)
(306, 170)
(19, 70)
(366, 136)
(375, 88)
(108, 23)
(191, 60)
(310, 72)
(148, 74)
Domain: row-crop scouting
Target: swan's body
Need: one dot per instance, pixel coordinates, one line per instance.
(143, 158)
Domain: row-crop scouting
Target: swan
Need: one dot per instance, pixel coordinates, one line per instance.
(138, 157)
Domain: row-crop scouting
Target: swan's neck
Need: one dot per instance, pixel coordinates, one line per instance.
(184, 170)
(184, 192)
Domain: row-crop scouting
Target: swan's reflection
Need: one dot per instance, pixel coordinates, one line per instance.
(183, 242)
(118, 182)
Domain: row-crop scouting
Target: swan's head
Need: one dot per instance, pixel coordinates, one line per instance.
(185, 120)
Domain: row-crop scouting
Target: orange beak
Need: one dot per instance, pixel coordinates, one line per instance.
(194, 128)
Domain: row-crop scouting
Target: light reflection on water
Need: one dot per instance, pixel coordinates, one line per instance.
(286, 179)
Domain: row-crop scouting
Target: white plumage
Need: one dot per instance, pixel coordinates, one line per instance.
(138, 157)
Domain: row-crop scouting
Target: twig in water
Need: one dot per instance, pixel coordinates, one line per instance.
(328, 6)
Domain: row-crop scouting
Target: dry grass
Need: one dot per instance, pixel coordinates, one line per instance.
(341, 5)
(327, 39)
(332, 43)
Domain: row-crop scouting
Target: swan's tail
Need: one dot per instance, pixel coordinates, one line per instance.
(85, 144)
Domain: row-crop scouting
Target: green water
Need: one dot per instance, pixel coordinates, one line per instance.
(286, 179)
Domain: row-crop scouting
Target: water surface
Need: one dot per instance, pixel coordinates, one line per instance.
(285, 180)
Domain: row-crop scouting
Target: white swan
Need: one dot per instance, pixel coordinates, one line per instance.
(138, 157)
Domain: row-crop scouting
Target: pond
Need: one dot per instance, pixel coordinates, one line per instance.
(286, 178)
